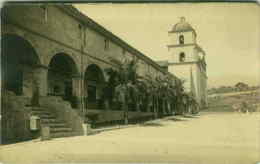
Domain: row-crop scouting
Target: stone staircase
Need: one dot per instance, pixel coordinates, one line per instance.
(58, 128)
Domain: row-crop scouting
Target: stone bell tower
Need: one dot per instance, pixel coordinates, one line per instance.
(187, 60)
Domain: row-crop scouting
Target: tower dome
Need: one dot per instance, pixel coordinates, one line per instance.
(182, 26)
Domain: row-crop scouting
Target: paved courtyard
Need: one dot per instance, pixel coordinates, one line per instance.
(211, 138)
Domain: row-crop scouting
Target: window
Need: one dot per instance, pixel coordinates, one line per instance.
(84, 36)
(45, 13)
(123, 51)
(80, 30)
(56, 89)
(181, 39)
(149, 69)
(80, 26)
(43, 7)
(182, 57)
(106, 44)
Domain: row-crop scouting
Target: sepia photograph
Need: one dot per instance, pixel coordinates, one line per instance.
(174, 83)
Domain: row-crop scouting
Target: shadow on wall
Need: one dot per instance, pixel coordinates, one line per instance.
(64, 112)
(15, 119)
(175, 119)
(190, 117)
(152, 124)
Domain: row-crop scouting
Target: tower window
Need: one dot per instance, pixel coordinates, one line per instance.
(182, 57)
(181, 39)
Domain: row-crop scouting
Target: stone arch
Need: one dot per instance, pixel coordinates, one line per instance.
(62, 75)
(94, 82)
(101, 66)
(62, 50)
(19, 65)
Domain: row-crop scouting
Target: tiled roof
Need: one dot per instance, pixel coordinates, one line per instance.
(163, 63)
(85, 20)
(182, 26)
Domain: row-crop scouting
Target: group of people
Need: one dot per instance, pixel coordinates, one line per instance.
(244, 107)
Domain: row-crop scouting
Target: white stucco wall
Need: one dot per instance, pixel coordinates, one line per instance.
(182, 72)
(190, 54)
(189, 37)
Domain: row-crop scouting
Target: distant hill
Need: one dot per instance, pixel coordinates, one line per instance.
(223, 102)
(240, 86)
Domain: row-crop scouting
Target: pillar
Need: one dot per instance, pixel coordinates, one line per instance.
(78, 91)
(41, 75)
(27, 84)
(76, 86)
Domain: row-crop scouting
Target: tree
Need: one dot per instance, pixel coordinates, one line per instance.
(109, 89)
(242, 86)
(126, 78)
(152, 90)
(159, 94)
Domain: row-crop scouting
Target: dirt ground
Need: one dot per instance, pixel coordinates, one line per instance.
(211, 138)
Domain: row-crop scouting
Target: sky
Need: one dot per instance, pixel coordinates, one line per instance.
(229, 33)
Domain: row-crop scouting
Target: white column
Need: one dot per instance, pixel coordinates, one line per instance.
(27, 81)
(76, 86)
(41, 75)
(78, 90)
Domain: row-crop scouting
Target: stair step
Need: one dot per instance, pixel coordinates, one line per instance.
(45, 115)
(49, 120)
(40, 112)
(38, 109)
(57, 124)
(61, 134)
(60, 129)
(48, 117)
